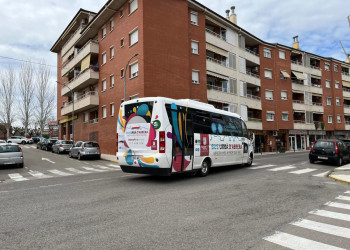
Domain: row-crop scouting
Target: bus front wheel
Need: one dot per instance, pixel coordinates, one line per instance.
(203, 171)
(250, 161)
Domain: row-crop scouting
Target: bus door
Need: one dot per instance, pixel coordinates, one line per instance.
(245, 149)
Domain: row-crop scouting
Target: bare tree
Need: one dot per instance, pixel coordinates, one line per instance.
(7, 91)
(45, 96)
(26, 91)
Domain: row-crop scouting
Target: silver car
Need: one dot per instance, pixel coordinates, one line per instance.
(61, 146)
(11, 154)
(85, 149)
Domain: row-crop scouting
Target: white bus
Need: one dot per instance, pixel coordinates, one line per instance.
(163, 136)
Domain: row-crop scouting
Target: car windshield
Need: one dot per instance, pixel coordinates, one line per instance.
(67, 142)
(91, 145)
(324, 144)
(9, 148)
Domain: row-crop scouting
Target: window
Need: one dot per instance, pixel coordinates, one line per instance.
(133, 6)
(86, 117)
(103, 32)
(336, 67)
(133, 37)
(338, 118)
(111, 24)
(111, 50)
(112, 109)
(195, 76)
(267, 53)
(270, 116)
(121, 13)
(104, 58)
(284, 95)
(111, 78)
(329, 101)
(329, 119)
(282, 54)
(326, 66)
(122, 73)
(122, 42)
(328, 84)
(104, 85)
(284, 116)
(268, 73)
(337, 101)
(194, 18)
(104, 112)
(268, 94)
(194, 46)
(337, 85)
(134, 70)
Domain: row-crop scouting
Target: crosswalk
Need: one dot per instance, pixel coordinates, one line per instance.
(62, 172)
(324, 224)
(290, 169)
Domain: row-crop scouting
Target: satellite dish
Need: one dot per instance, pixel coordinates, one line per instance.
(346, 54)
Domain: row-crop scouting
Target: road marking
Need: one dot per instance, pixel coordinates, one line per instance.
(342, 197)
(347, 192)
(102, 167)
(94, 169)
(38, 174)
(324, 174)
(333, 215)
(281, 168)
(303, 171)
(45, 159)
(25, 146)
(78, 171)
(55, 171)
(17, 177)
(323, 228)
(265, 166)
(32, 146)
(295, 242)
(338, 205)
(114, 166)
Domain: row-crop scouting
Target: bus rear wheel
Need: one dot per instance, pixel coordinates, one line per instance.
(203, 171)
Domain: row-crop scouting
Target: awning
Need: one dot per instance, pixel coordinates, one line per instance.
(285, 74)
(299, 75)
(346, 84)
(298, 91)
(216, 50)
(316, 77)
(250, 107)
(217, 75)
(68, 119)
(85, 63)
(314, 94)
(346, 98)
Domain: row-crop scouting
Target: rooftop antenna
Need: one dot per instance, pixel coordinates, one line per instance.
(346, 54)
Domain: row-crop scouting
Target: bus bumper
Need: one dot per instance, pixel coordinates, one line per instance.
(145, 170)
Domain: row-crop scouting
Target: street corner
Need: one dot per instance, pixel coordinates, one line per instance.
(341, 174)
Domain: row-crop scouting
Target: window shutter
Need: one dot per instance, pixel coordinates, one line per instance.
(233, 86)
(195, 77)
(308, 77)
(242, 65)
(232, 60)
(241, 40)
(134, 37)
(306, 60)
(231, 37)
(133, 6)
(233, 108)
(244, 112)
(241, 88)
(134, 69)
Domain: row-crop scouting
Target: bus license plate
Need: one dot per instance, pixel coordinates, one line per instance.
(323, 158)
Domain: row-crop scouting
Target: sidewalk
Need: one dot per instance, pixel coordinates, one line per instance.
(274, 153)
(341, 174)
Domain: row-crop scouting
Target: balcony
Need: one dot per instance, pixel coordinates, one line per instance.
(83, 80)
(347, 125)
(346, 109)
(315, 107)
(72, 40)
(295, 65)
(250, 77)
(301, 87)
(219, 41)
(251, 56)
(89, 48)
(82, 103)
(219, 67)
(254, 124)
(300, 124)
(345, 76)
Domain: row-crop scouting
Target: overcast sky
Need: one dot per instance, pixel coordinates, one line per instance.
(28, 29)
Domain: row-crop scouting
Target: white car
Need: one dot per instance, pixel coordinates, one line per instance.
(19, 140)
(2, 141)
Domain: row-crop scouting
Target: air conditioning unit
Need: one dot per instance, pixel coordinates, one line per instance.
(274, 133)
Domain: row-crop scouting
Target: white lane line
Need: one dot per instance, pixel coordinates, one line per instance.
(295, 242)
(78, 171)
(26, 147)
(323, 228)
(102, 167)
(303, 171)
(94, 169)
(347, 192)
(342, 197)
(333, 215)
(281, 168)
(55, 171)
(338, 205)
(39, 174)
(114, 166)
(264, 166)
(324, 174)
(17, 177)
(45, 159)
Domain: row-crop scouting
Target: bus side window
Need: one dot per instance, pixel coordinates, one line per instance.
(244, 130)
(189, 134)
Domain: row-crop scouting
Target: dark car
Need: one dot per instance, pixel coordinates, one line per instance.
(47, 144)
(332, 150)
(39, 144)
(346, 141)
(62, 146)
(36, 139)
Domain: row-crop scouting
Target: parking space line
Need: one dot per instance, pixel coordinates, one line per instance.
(281, 168)
(303, 171)
(77, 171)
(94, 169)
(17, 177)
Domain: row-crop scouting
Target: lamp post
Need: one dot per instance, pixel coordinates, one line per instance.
(65, 85)
(126, 70)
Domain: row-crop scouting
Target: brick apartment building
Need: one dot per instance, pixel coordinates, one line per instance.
(288, 97)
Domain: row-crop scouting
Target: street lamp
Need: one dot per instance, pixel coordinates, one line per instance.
(65, 85)
(126, 70)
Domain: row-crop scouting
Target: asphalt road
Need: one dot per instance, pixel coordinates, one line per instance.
(231, 208)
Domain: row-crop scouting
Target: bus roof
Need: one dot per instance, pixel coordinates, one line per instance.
(185, 102)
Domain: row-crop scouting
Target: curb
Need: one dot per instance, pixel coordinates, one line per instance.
(338, 180)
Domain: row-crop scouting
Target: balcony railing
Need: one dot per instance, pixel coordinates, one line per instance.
(94, 121)
(80, 98)
(252, 74)
(346, 106)
(252, 119)
(254, 97)
(217, 88)
(251, 52)
(315, 67)
(297, 81)
(215, 34)
(70, 38)
(311, 66)
(347, 122)
(222, 63)
(297, 101)
(345, 73)
(296, 62)
(346, 90)
(317, 103)
(86, 44)
(94, 68)
(316, 85)
(299, 121)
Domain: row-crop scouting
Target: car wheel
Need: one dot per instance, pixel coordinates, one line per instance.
(21, 165)
(312, 161)
(80, 157)
(203, 171)
(340, 162)
(70, 155)
(23, 142)
(58, 151)
(9, 141)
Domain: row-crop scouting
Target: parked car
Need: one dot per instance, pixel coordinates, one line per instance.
(85, 149)
(18, 139)
(332, 150)
(346, 141)
(11, 154)
(61, 146)
(36, 139)
(39, 144)
(2, 141)
(47, 144)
